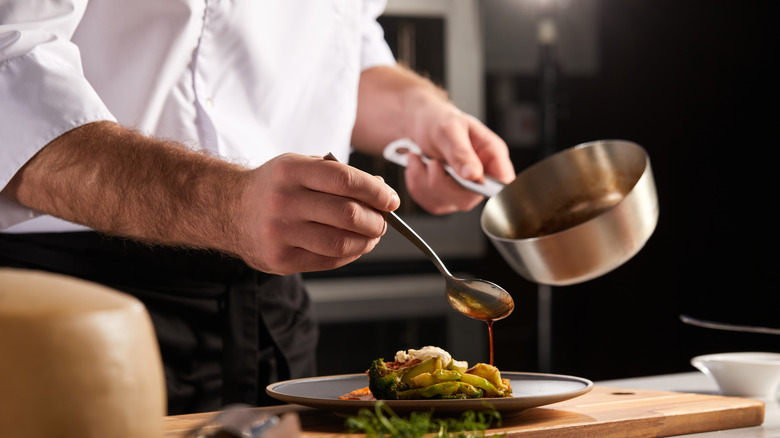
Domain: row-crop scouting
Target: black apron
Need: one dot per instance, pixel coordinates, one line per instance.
(225, 330)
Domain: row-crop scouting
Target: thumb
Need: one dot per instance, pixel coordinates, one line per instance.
(459, 153)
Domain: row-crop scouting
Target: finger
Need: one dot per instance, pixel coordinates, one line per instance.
(449, 190)
(492, 151)
(435, 190)
(339, 212)
(301, 260)
(347, 181)
(327, 241)
(306, 246)
(454, 143)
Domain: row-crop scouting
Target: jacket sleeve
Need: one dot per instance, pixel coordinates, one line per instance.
(374, 48)
(43, 91)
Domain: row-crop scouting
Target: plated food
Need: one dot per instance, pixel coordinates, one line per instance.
(529, 390)
(430, 373)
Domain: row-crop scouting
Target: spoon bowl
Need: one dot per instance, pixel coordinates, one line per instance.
(479, 299)
(475, 298)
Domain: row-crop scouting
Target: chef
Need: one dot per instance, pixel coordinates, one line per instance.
(172, 149)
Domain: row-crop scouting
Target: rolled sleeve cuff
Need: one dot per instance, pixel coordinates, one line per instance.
(45, 95)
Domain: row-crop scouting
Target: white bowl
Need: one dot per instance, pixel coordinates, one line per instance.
(743, 374)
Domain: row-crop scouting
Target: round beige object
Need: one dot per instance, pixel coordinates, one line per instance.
(77, 359)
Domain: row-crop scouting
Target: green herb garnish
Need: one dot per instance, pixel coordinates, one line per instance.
(384, 423)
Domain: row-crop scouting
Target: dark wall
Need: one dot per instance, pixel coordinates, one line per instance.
(694, 83)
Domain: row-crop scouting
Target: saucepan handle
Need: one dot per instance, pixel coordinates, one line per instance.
(397, 151)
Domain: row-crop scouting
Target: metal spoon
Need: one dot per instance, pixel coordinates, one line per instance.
(478, 299)
(732, 327)
(475, 298)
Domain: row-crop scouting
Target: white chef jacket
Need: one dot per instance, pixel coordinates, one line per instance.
(244, 79)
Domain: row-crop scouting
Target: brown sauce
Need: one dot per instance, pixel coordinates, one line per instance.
(569, 215)
(490, 335)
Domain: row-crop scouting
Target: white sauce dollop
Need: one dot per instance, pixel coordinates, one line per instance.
(427, 353)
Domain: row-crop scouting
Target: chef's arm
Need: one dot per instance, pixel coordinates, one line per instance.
(118, 181)
(385, 93)
(395, 102)
(293, 214)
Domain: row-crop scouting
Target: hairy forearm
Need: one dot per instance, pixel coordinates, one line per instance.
(388, 98)
(120, 182)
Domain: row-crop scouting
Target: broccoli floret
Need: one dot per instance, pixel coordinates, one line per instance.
(383, 382)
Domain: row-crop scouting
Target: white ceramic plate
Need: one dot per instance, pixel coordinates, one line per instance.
(529, 390)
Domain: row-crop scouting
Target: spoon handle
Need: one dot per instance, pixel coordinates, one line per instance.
(409, 233)
(732, 327)
(413, 237)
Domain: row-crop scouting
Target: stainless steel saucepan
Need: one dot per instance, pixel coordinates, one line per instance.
(572, 216)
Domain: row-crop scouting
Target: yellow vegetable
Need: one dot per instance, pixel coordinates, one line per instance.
(490, 373)
(446, 375)
(424, 379)
(426, 366)
(482, 383)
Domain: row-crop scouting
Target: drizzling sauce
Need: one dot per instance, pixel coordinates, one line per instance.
(481, 309)
(490, 335)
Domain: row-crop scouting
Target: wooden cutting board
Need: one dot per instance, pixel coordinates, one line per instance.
(604, 412)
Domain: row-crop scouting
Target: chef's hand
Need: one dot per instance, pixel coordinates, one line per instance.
(394, 102)
(305, 213)
(445, 133)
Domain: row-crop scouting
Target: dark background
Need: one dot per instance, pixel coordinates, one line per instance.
(695, 83)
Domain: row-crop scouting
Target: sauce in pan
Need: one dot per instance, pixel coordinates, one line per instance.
(568, 215)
